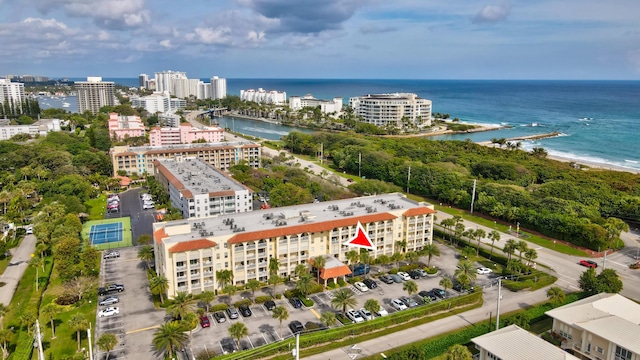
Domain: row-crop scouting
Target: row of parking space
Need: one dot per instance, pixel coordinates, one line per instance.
(111, 321)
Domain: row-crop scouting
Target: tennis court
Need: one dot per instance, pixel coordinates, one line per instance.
(105, 233)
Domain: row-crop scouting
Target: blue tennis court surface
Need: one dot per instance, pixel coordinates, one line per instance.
(105, 233)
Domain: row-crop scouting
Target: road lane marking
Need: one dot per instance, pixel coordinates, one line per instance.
(314, 312)
(142, 329)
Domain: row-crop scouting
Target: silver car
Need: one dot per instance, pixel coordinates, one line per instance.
(109, 301)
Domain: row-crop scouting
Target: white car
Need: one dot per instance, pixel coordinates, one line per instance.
(110, 311)
(404, 276)
(355, 316)
(484, 270)
(382, 312)
(366, 314)
(361, 286)
(30, 230)
(398, 304)
(147, 206)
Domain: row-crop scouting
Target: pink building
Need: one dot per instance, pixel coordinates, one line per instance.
(125, 126)
(185, 134)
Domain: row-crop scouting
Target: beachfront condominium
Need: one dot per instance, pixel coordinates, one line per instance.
(222, 155)
(122, 127)
(177, 83)
(94, 94)
(11, 95)
(399, 110)
(326, 106)
(165, 79)
(199, 190)
(261, 95)
(143, 81)
(158, 102)
(189, 252)
(184, 134)
(218, 88)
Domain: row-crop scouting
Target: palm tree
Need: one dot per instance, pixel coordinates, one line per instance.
(319, 262)
(230, 290)
(411, 256)
(463, 279)
(225, 277)
(467, 269)
(300, 270)
(509, 248)
(396, 258)
(158, 285)
(253, 285)
(274, 279)
(328, 318)
(237, 331)
(458, 352)
(522, 246)
(78, 323)
(207, 297)
(448, 224)
(305, 284)
(430, 250)
(446, 283)
(281, 313)
(107, 342)
(3, 311)
(402, 244)
(410, 287)
(169, 338)
(183, 303)
(478, 234)
(189, 322)
(353, 256)
(26, 319)
(50, 311)
(530, 255)
(556, 295)
(5, 337)
(383, 259)
(274, 265)
(493, 236)
(372, 306)
(145, 254)
(36, 262)
(343, 298)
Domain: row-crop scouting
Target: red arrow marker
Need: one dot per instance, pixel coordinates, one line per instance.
(361, 239)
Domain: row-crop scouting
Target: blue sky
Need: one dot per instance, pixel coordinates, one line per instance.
(419, 39)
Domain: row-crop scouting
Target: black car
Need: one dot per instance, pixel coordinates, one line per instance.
(439, 293)
(113, 288)
(459, 288)
(414, 274)
(371, 284)
(386, 279)
(270, 304)
(245, 311)
(427, 294)
(296, 326)
(296, 303)
(219, 316)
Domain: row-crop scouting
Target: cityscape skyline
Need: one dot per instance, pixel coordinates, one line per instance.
(333, 39)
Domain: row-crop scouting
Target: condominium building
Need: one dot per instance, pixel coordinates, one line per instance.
(121, 127)
(183, 134)
(218, 88)
(139, 159)
(199, 190)
(326, 106)
(264, 96)
(164, 80)
(40, 127)
(12, 93)
(602, 326)
(158, 102)
(515, 343)
(177, 104)
(94, 94)
(399, 110)
(190, 252)
(143, 81)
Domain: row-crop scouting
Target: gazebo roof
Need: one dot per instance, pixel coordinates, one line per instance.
(333, 268)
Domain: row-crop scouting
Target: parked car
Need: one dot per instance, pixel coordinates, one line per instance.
(110, 311)
(296, 327)
(396, 278)
(366, 314)
(147, 207)
(245, 311)
(398, 304)
(371, 284)
(439, 293)
(29, 230)
(270, 305)
(414, 274)
(409, 301)
(427, 294)
(382, 312)
(204, 321)
(219, 316)
(361, 286)
(422, 272)
(359, 270)
(386, 279)
(295, 302)
(109, 301)
(355, 316)
(404, 275)
(589, 263)
(111, 255)
(483, 271)
(111, 289)
(232, 313)
(459, 288)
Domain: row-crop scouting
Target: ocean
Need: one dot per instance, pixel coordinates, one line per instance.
(599, 121)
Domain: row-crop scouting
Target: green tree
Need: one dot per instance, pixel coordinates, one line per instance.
(588, 282)
(342, 299)
(478, 235)
(319, 263)
(353, 256)
(5, 338)
(396, 258)
(144, 239)
(411, 257)
(328, 318)
(458, 352)
(556, 295)
(372, 306)
(430, 250)
(446, 283)
(107, 342)
(410, 287)
(510, 248)
(448, 224)
(253, 285)
(50, 311)
(614, 227)
(274, 280)
(493, 236)
(230, 290)
(300, 270)
(207, 297)
(189, 322)
(530, 255)
(237, 331)
(3, 311)
(522, 247)
(78, 323)
(305, 284)
(225, 277)
(402, 244)
(609, 281)
(467, 268)
(26, 319)
(281, 314)
(183, 303)
(145, 254)
(169, 338)
(274, 266)
(158, 285)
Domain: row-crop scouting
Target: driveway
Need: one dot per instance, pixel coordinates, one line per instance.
(131, 206)
(19, 261)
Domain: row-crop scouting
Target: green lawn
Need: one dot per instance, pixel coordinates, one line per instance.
(97, 207)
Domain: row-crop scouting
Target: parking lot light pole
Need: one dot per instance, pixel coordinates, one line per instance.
(499, 297)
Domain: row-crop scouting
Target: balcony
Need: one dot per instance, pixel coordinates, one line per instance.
(262, 245)
(282, 249)
(251, 247)
(238, 256)
(183, 267)
(251, 266)
(239, 268)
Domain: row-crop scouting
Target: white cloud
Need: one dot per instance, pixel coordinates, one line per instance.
(492, 13)
(207, 35)
(166, 43)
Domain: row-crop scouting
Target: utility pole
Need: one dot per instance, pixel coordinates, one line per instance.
(89, 339)
(359, 164)
(408, 178)
(321, 152)
(296, 352)
(39, 341)
(473, 195)
(499, 297)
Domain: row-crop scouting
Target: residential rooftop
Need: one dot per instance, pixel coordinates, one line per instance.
(198, 177)
(191, 146)
(514, 343)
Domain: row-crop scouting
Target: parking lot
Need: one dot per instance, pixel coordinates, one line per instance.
(131, 206)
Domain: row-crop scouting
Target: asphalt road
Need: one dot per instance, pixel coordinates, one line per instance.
(18, 265)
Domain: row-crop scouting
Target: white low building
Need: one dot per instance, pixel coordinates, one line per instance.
(264, 96)
(40, 127)
(399, 110)
(158, 102)
(326, 106)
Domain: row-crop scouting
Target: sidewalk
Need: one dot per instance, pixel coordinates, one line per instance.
(17, 266)
(510, 301)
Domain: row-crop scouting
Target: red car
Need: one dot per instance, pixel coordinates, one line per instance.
(204, 321)
(589, 263)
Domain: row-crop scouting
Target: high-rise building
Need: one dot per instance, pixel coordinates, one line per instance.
(392, 109)
(165, 79)
(218, 88)
(94, 94)
(12, 93)
(143, 81)
(154, 103)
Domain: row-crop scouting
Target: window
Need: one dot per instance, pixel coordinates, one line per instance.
(599, 349)
(180, 264)
(193, 261)
(622, 354)
(492, 357)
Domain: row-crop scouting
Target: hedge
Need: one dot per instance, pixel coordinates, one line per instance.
(219, 307)
(246, 302)
(262, 299)
(306, 301)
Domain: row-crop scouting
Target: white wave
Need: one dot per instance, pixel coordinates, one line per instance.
(592, 160)
(631, 161)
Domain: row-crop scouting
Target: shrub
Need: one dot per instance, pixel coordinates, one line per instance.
(552, 337)
(246, 302)
(343, 319)
(354, 279)
(67, 299)
(431, 270)
(341, 282)
(278, 296)
(312, 326)
(262, 299)
(332, 285)
(393, 271)
(407, 268)
(316, 288)
(307, 302)
(290, 293)
(219, 307)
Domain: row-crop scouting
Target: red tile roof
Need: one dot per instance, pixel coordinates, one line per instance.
(313, 227)
(334, 272)
(419, 211)
(192, 245)
(160, 234)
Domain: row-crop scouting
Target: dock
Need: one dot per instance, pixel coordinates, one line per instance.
(535, 137)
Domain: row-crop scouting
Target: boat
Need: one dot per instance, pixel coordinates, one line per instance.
(66, 104)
